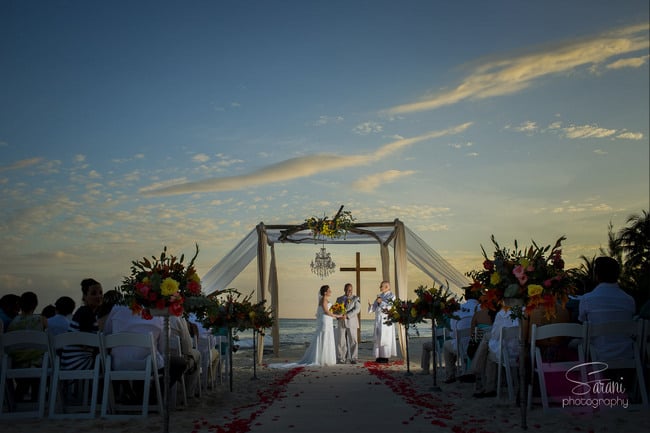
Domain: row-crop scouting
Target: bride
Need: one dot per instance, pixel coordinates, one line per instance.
(322, 349)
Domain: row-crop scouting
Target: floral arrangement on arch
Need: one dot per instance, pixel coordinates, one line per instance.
(335, 227)
(338, 308)
(536, 275)
(163, 283)
(435, 302)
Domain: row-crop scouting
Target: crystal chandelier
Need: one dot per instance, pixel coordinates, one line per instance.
(322, 265)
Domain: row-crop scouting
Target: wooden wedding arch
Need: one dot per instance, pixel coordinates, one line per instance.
(260, 244)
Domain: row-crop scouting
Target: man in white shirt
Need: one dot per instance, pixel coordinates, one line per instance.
(607, 302)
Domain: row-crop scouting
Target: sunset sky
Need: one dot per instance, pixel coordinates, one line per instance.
(129, 125)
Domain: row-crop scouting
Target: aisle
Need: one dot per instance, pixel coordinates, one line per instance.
(345, 398)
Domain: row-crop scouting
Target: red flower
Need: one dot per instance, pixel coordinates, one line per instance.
(176, 308)
(489, 265)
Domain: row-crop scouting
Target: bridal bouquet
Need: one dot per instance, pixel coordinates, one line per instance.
(338, 308)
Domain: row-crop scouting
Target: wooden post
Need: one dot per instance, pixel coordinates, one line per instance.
(358, 269)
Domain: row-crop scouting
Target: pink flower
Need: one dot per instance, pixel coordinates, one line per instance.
(520, 273)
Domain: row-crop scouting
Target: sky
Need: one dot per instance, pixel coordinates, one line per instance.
(128, 126)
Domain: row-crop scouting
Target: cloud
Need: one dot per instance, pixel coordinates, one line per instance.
(293, 168)
(368, 128)
(201, 157)
(372, 182)
(587, 131)
(527, 126)
(511, 75)
(632, 62)
(325, 120)
(630, 135)
(600, 152)
(20, 164)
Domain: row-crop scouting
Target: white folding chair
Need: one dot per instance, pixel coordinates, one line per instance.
(620, 330)
(462, 334)
(84, 378)
(506, 361)
(224, 358)
(206, 345)
(541, 367)
(23, 340)
(442, 335)
(148, 373)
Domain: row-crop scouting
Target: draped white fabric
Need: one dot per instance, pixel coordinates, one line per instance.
(401, 279)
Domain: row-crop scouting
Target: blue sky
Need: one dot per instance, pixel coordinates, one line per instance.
(126, 126)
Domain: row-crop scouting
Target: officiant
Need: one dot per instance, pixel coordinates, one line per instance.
(384, 336)
(347, 347)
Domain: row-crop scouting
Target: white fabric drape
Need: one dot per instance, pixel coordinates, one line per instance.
(262, 240)
(275, 304)
(401, 277)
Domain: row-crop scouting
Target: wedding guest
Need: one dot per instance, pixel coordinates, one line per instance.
(384, 345)
(84, 320)
(9, 308)
(48, 311)
(210, 356)
(348, 346)
(178, 326)
(608, 302)
(464, 321)
(484, 367)
(109, 300)
(122, 319)
(427, 346)
(60, 322)
(27, 358)
(482, 322)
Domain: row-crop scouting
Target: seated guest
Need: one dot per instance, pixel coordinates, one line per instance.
(209, 354)
(48, 311)
(109, 300)
(122, 319)
(450, 348)
(9, 308)
(60, 322)
(27, 358)
(427, 347)
(84, 320)
(178, 327)
(483, 366)
(607, 302)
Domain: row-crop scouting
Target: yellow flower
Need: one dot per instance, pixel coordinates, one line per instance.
(168, 287)
(194, 277)
(414, 312)
(524, 262)
(535, 289)
(495, 278)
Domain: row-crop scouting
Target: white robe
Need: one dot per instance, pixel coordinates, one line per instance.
(384, 345)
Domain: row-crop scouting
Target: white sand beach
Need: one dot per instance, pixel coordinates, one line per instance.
(366, 397)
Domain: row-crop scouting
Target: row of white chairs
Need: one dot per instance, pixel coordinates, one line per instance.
(55, 381)
(584, 354)
(636, 331)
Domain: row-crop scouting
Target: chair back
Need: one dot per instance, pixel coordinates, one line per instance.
(147, 371)
(81, 377)
(16, 341)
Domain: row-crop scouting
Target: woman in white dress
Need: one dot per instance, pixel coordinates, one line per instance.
(322, 349)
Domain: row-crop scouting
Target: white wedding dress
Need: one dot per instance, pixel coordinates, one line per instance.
(322, 349)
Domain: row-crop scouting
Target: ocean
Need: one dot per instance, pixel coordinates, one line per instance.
(300, 331)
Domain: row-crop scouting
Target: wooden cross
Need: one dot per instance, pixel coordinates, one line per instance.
(358, 269)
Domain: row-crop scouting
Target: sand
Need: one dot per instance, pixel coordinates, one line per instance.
(366, 397)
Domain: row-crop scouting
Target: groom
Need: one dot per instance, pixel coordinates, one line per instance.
(348, 346)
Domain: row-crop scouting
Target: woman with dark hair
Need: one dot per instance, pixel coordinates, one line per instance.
(84, 320)
(322, 349)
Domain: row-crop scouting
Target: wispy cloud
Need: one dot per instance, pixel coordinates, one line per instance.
(510, 75)
(368, 128)
(372, 182)
(630, 135)
(632, 62)
(20, 164)
(294, 168)
(325, 120)
(587, 131)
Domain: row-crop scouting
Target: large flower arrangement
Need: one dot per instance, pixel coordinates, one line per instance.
(536, 275)
(403, 312)
(163, 283)
(235, 312)
(335, 227)
(435, 302)
(338, 308)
